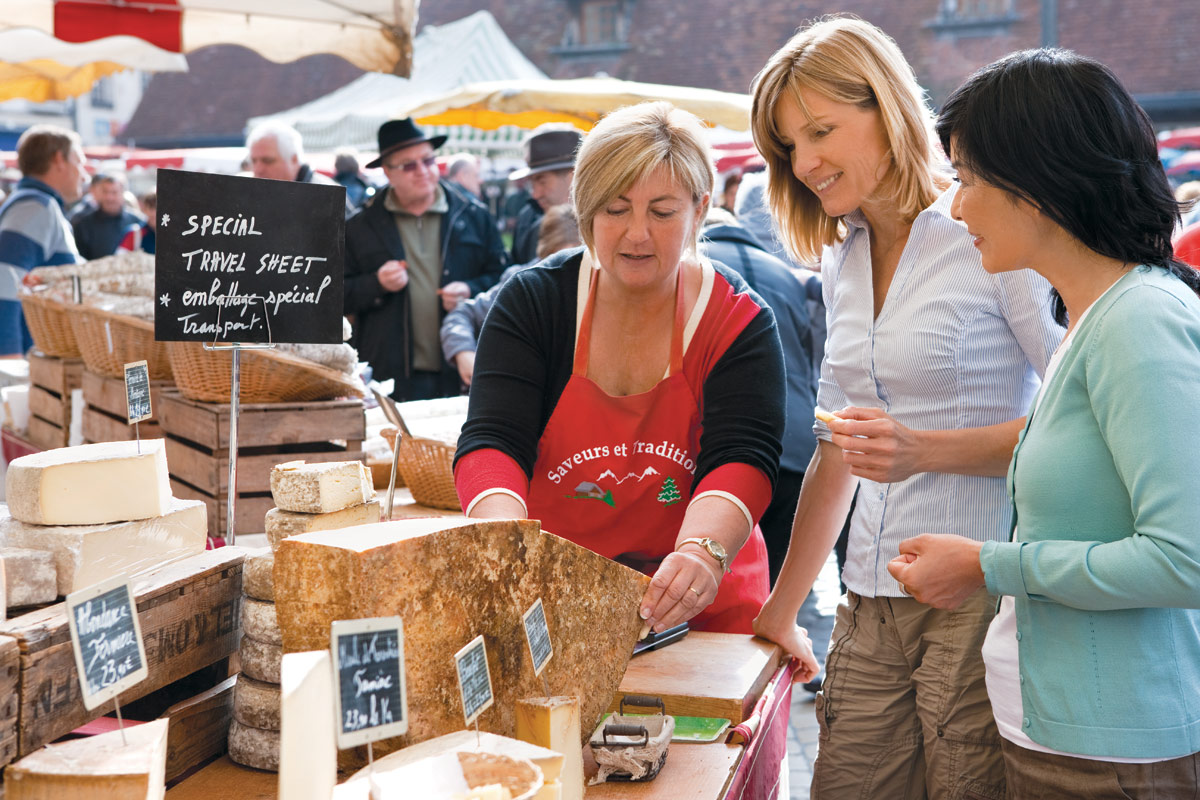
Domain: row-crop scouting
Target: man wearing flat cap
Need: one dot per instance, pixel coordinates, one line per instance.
(411, 255)
(550, 167)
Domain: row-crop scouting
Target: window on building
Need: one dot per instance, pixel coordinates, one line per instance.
(596, 27)
(102, 93)
(598, 23)
(974, 17)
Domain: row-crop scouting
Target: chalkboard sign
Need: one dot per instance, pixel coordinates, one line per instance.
(474, 679)
(107, 639)
(137, 391)
(538, 636)
(368, 667)
(248, 260)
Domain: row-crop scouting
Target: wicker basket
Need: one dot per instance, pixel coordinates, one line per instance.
(109, 341)
(265, 376)
(49, 322)
(427, 466)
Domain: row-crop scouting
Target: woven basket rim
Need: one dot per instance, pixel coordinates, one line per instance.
(326, 373)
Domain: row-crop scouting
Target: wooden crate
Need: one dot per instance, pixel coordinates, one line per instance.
(190, 614)
(52, 381)
(198, 728)
(197, 441)
(105, 415)
(10, 672)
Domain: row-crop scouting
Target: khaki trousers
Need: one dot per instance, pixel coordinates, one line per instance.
(904, 712)
(1033, 775)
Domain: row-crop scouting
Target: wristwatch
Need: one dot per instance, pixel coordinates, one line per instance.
(714, 549)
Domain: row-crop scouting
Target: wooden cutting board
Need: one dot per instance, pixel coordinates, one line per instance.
(705, 675)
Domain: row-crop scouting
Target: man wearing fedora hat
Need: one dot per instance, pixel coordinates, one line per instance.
(550, 168)
(412, 254)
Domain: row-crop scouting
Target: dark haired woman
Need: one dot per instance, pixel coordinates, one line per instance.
(1093, 662)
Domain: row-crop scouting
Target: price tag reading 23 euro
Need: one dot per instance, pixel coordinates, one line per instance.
(474, 679)
(368, 665)
(107, 640)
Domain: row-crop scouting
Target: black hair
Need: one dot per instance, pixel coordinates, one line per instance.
(1058, 130)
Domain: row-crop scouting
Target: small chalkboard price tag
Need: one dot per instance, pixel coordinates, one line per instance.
(137, 391)
(538, 636)
(107, 640)
(474, 679)
(368, 669)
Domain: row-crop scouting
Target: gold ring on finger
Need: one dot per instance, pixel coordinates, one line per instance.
(693, 588)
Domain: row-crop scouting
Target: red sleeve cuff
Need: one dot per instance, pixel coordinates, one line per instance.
(746, 483)
(482, 470)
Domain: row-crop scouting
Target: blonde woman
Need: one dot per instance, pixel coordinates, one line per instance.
(929, 364)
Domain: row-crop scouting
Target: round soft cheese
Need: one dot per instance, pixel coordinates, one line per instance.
(256, 703)
(254, 747)
(258, 621)
(260, 660)
(256, 577)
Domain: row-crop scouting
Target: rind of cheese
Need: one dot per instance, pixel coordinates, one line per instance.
(29, 575)
(101, 766)
(84, 555)
(254, 747)
(308, 744)
(258, 621)
(260, 660)
(256, 704)
(92, 484)
(257, 581)
(320, 488)
(281, 524)
(553, 723)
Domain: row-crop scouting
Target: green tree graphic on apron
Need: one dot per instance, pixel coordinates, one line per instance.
(669, 494)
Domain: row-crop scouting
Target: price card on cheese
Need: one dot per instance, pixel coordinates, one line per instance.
(538, 636)
(137, 391)
(474, 679)
(368, 669)
(107, 639)
(248, 260)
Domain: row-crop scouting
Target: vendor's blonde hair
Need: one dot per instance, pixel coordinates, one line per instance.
(849, 61)
(630, 143)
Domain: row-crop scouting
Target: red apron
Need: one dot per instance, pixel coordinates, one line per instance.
(614, 474)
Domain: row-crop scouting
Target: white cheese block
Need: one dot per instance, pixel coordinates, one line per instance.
(260, 660)
(256, 704)
(29, 575)
(553, 723)
(258, 621)
(101, 767)
(84, 555)
(90, 484)
(462, 775)
(320, 488)
(257, 580)
(281, 524)
(308, 744)
(254, 747)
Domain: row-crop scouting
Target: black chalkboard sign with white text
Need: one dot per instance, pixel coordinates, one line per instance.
(248, 260)
(107, 640)
(537, 634)
(369, 687)
(137, 391)
(474, 679)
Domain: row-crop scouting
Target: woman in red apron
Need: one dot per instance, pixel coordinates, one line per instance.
(630, 396)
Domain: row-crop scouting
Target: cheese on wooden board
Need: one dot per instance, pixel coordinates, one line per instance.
(90, 484)
(257, 581)
(308, 743)
(451, 580)
(254, 747)
(256, 703)
(260, 660)
(320, 488)
(281, 524)
(553, 723)
(29, 577)
(101, 767)
(462, 775)
(84, 555)
(258, 621)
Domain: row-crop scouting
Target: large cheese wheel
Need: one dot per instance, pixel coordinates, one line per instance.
(260, 660)
(254, 747)
(256, 704)
(257, 581)
(258, 621)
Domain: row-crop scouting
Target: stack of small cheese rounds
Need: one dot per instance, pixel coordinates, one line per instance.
(308, 497)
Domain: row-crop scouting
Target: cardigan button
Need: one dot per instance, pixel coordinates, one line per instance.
(1021, 679)
(1018, 636)
(1025, 723)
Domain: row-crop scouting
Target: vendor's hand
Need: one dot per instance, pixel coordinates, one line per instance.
(875, 445)
(794, 639)
(939, 569)
(453, 293)
(683, 586)
(393, 275)
(465, 361)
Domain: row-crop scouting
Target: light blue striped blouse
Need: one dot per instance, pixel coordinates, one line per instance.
(953, 347)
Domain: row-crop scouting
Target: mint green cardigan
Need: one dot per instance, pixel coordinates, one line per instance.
(1105, 482)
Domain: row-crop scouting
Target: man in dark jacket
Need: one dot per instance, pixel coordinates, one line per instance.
(99, 230)
(277, 153)
(550, 168)
(411, 255)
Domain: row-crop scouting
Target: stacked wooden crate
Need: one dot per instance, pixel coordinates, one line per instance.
(53, 380)
(105, 411)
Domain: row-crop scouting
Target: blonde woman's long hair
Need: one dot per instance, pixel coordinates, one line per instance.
(849, 61)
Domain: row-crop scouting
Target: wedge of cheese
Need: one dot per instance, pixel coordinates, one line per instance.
(466, 774)
(29, 575)
(281, 524)
(553, 723)
(308, 745)
(320, 488)
(101, 767)
(87, 554)
(91, 484)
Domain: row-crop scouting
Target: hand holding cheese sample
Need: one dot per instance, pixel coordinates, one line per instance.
(874, 444)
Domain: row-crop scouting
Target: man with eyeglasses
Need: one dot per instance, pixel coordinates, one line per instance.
(412, 254)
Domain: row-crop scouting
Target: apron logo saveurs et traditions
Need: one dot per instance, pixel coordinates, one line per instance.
(601, 487)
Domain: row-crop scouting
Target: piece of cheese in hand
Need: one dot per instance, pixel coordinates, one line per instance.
(320, 488)
(29, 574)
(553, 723)
(307, 743)
(103, 766)
(281, 524)
(824, 415)
(91, 484)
